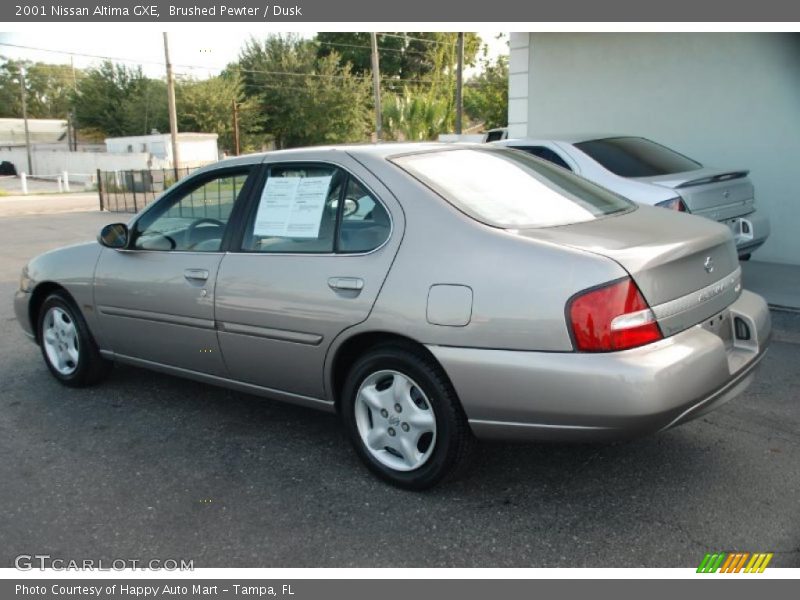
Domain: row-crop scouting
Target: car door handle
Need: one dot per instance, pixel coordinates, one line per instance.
(196, 274)
(346, 283)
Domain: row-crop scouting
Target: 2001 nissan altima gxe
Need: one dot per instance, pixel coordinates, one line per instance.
(429, 294)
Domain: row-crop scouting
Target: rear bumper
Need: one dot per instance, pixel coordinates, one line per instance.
(587, 397)
(749, 231)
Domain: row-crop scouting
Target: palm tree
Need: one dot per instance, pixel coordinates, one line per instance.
(414, 116)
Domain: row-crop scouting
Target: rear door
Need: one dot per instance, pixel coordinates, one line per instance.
(155, 299)
(315, 248)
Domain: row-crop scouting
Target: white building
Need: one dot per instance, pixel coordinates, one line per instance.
(194, 149)
(40, 131)
(725, 99)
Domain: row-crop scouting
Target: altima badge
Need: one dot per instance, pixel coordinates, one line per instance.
(708, 265)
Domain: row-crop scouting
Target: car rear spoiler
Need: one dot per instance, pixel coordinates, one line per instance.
(726, 176)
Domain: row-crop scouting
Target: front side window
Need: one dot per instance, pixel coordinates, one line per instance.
(510, 189)
(636, 157)
(193, 219)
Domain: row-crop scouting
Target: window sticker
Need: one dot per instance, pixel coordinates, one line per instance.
(292, 207)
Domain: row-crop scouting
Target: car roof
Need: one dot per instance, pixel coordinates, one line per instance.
(380, 150)
(574, 138)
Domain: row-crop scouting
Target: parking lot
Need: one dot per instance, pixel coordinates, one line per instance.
(149, 466)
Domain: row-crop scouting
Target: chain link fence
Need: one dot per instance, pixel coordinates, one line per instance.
(131, 191)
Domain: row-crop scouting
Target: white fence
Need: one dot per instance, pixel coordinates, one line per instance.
(81, 166)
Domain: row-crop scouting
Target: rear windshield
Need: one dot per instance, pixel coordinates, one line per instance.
(637, 157)
(511, 189)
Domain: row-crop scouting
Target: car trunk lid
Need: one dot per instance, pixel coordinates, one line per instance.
(713, 193)
(686, 268)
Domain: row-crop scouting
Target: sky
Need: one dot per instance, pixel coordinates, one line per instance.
(193, 53)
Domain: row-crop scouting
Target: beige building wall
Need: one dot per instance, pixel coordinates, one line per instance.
(725, 99)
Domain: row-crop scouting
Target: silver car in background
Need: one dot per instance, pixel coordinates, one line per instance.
(652, 174)
(427, 293)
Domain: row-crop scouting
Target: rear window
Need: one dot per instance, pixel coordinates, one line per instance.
(511, 189)
(545, 154)
(495, 135)
(637, 157)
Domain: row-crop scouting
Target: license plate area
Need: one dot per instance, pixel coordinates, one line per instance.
(741, 228)
(721, 325)
(738, 334)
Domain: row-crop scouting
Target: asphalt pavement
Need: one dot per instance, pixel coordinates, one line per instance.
(33, 204)
(147, 466)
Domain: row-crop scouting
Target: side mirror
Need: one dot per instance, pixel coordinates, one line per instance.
(114, 236)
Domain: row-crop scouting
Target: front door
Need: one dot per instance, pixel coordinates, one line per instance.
(316, 248)
(155, 299)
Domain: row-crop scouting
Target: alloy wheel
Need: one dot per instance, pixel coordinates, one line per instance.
(60, 340)
(395, 420)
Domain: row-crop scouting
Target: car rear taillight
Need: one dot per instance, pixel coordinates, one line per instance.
(673, 204)
(612, 317)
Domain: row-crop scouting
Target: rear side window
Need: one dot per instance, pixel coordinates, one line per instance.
(637, 157)
(545, 154)
(509, 189)
(365, 223)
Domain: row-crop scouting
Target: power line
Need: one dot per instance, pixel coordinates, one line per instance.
(183, 66)
(113, 58)
(218, 68)
(416, 39)
(84, 55)
(382, 48)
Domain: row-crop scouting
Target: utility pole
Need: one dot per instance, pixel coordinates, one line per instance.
(69, 131)
(25, 119)
(460, 83)
(235, 128)
(376, 84)
(173, 118)
(74, 77)
(71, 115)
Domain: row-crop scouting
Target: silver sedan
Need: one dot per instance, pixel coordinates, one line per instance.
(652, 174)
(429, 294)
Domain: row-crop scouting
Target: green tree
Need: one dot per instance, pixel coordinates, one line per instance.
(414, 116)
(355, 48)
(48, 89)
(486, 94)
(146, 109)
(403, 55)
(418, 74)
(207, 106)
(115, 100)
(303, 99)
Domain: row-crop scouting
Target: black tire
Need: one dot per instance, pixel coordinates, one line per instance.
(91, 367)
(454, 440)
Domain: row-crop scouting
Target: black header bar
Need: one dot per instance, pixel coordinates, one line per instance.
(355, 11)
